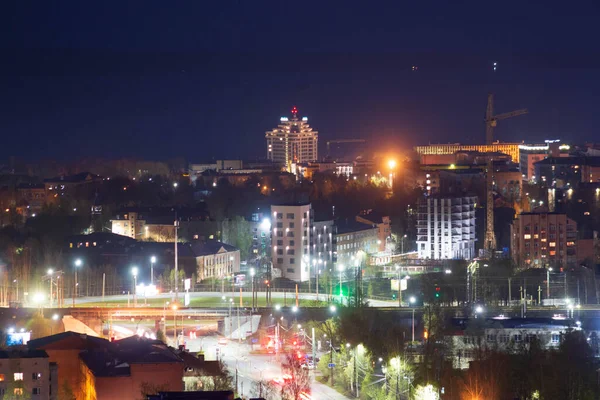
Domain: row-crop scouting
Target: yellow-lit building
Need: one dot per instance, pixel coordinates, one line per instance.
(512, 149)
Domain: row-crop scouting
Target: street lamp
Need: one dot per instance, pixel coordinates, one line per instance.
(134, 272)
(341, 269)
(174, 308)
(332, 308)
(412, 300)
(548, 270)
(78, 264)
(252, 272)
(478, 310)
(152, 261)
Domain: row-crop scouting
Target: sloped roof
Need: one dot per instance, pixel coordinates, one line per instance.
(68, 341)
(351, 225)
(211, 247)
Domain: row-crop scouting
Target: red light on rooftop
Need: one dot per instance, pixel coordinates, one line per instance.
(294, 110)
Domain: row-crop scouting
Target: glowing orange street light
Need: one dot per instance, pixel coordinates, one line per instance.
(392, 164)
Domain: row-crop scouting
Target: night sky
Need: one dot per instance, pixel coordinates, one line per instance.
(202, 80)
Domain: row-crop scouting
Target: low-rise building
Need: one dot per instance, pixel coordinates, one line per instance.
(215, 260)
(384, 228)
(354, 240)
(96, 369)
(467, 339)
(27, 373)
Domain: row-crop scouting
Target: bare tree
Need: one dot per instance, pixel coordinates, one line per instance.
(297, 380)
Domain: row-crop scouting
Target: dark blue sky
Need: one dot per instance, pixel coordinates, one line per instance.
(204, 79)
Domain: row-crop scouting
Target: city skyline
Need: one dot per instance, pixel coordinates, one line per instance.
(77, 87)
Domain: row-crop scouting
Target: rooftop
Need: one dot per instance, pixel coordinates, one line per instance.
(68, 341)
(351, 225)
(210, 247)
(591, 161)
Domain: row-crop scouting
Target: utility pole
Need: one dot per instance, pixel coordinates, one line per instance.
(566, 291)
(539, 295)
(103, 285)
(509, 291)
(356, 372)
(176, 260)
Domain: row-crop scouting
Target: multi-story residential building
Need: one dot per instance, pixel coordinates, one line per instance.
(215, 260)
(446, 227)
(28, 374)
(322, 247)
(512, 149)
(503, 335)
(354, 241)
(291, 230)
(544, 239)
(142, 226)
(563, 172)
(292, 142)
(529, 154)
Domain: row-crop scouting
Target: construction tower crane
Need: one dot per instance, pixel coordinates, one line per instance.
(491, 121)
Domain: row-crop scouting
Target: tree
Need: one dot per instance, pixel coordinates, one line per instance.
(221, 380)
(298, 381)
(265, 390)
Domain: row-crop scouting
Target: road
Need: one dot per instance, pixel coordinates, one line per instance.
(274, 295)
(252, 368)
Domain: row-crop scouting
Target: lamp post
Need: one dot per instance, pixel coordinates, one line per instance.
(134, 272)
(402, 243)
(548, 270)
(78, 264)
(341, 269)
(252, 272)
(50, 272)
(152, 261)
(412, 300)
(174, 308)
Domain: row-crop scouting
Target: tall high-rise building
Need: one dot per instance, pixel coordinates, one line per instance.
(446, 227)
(292, 142)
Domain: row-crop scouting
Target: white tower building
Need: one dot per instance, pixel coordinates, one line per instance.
(292, 142)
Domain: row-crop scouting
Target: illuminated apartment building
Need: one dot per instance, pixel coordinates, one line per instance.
(292, 142)
(544, 240)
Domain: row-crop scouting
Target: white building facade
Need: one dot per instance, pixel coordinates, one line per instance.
(291, 239)
(446, 227)
(292, 142)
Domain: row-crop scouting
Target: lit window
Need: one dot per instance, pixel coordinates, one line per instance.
(18, 376)
(527, 236)
(2, 378)
(552, 244)
(18, 392)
